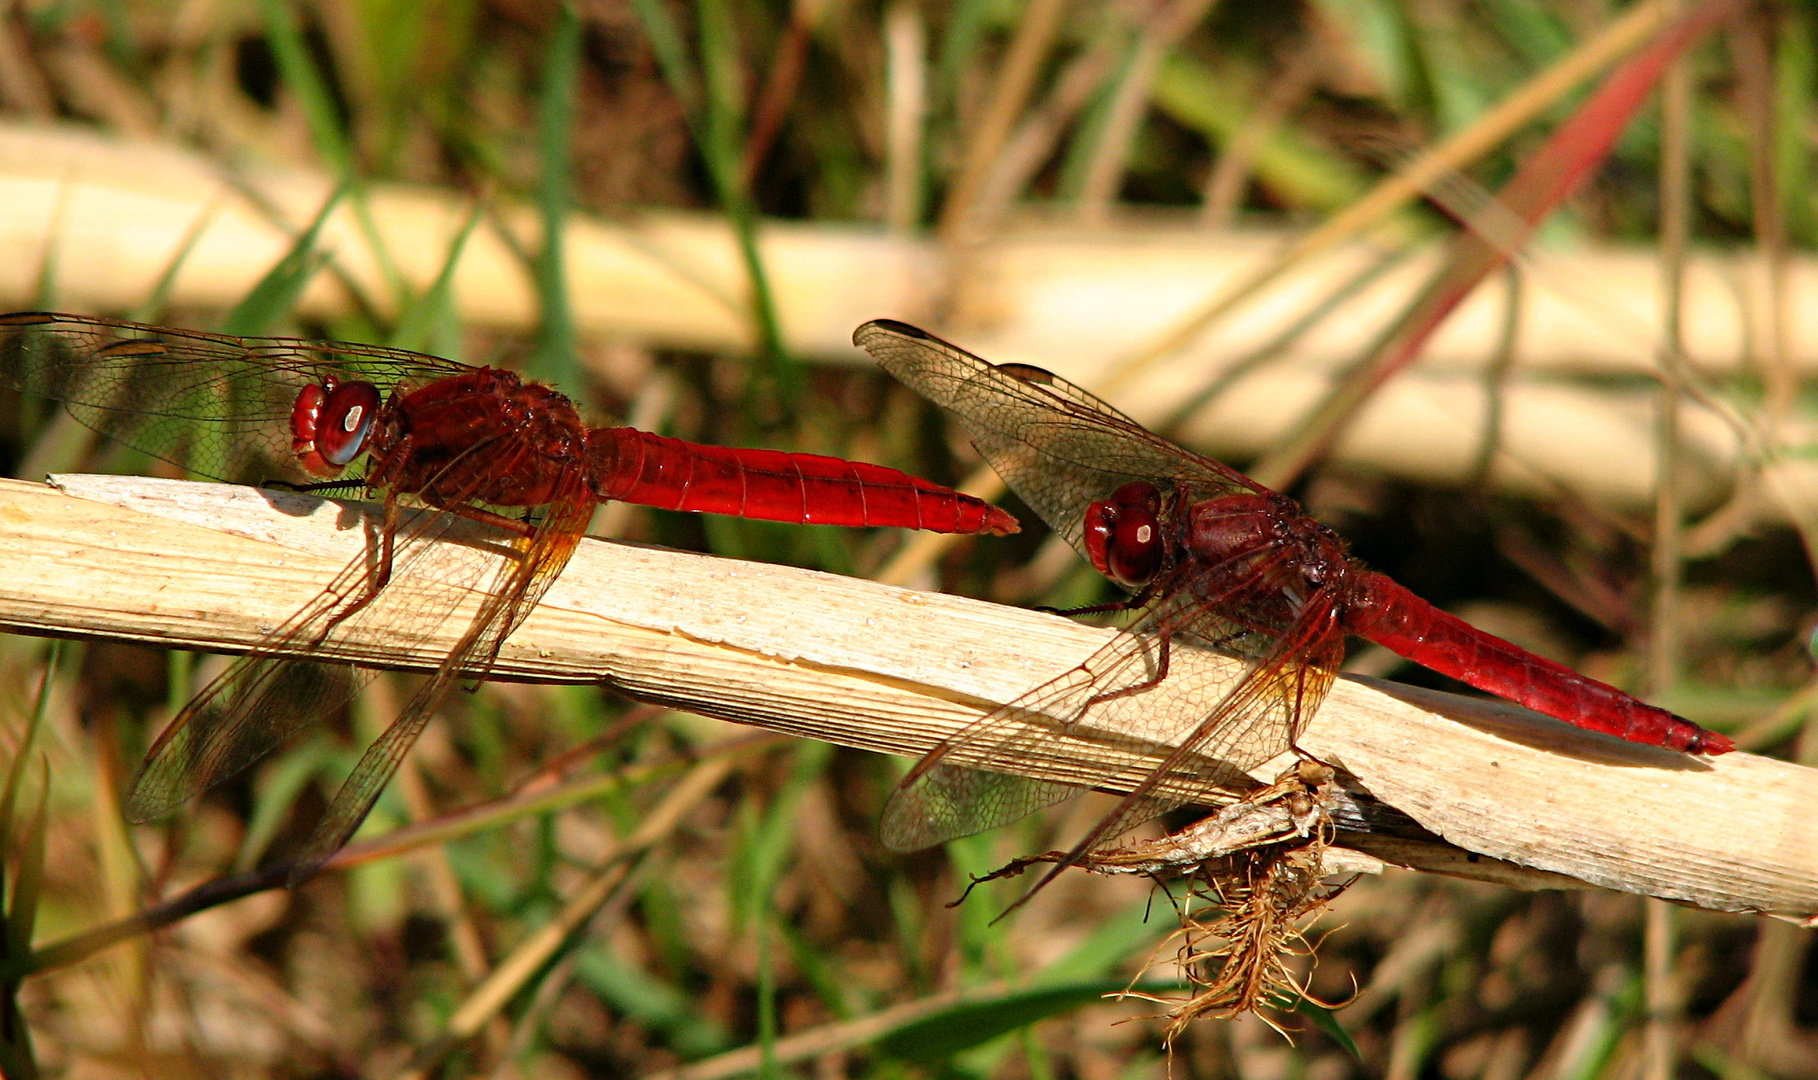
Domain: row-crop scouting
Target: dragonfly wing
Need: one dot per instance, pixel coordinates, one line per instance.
(246, 711)
(1057, 445)
(1109, 708)
(950, 801)
(1280, 693)
(523, 579)
(263, 698)
(1257, 718)
(243, 714)
(219, 406)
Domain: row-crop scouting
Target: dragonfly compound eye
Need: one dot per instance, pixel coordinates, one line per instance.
(330, 423)
(1123, 534)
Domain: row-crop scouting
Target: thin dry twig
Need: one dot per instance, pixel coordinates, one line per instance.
(1161, 33)
(511, 974)
(1016, 76)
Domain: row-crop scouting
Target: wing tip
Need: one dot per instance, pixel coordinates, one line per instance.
(143, 805)
(889, 326)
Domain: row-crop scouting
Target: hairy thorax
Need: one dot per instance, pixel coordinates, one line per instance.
(485, 436)
(1259, 554)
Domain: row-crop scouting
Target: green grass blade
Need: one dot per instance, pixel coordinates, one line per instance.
(554, 359)
(301, 76)
(431, 323)
(27, 848)
(1115, 938)
(9, 795)
(973, 1023)
(275, 794)
(1326, 1020)
(646, 1000)
(713, 102)
(1293, 166)
(672, 56)
(278, 291)
(768, 843)
(1795, 76)
(150, 308)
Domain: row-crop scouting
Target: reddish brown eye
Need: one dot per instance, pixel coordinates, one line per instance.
(347, 418)
(330, 423)
(1123, 534)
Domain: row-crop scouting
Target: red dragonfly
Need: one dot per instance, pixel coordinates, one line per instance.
(1213, 558)
(441, 441)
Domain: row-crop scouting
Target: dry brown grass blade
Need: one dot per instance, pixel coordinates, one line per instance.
(1665, 1003)
(1636, 25)
(1544, 180)
(824, 1039)
(878, 668)
(1016, 76)
(1162, 31)
(535, 951)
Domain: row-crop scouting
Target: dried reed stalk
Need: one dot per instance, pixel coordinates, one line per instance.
(1516, 798)
(113, 216)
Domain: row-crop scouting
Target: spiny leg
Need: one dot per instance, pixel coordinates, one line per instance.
(380, 573)
(1164, 638)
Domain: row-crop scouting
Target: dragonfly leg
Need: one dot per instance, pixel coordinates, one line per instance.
(380, 575)
(1163, 638)
(488, 517)
(347, 486)
(1131, 604)
(1095, 609)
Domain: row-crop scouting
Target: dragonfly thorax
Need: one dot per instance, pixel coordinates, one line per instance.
(1232, 531)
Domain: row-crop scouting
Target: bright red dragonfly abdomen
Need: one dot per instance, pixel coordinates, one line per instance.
(538, 449)
(441, 440)
(1396, 619)
(654, 470)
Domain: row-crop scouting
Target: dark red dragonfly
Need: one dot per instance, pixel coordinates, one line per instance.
(441, 441)
(1213, 558)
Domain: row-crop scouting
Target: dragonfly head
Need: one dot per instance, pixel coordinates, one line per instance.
(1124, 536)
(330, 424)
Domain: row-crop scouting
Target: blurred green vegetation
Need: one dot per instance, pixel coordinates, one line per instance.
(771, 912)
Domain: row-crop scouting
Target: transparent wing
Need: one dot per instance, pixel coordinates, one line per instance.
(1059, 447)
(262, 698)
(1260, 716)
(217, 405)
(541, 555)
(1216, 714)
(1275, 696)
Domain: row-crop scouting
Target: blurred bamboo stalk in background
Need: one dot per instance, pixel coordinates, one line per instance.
(103, 220)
